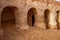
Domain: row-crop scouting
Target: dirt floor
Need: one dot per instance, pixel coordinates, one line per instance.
(34, 33)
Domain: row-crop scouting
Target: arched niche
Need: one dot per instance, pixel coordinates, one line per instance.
(31, 16)
(8, 16)
(58, 19)
(46, 13)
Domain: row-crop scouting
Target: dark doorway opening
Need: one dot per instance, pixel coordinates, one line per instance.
(46, 12)
(33, 20)
(8, 16)
(57, 19)
(31, 17)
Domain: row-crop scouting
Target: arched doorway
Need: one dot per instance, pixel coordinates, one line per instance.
(46, 12)
(31, 17)
(58, 19)
(8, 16)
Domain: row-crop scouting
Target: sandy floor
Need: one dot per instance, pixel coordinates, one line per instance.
(13, 33)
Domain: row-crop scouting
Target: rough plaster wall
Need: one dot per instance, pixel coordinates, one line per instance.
(38, 6)
(25, 6)
(40, 19)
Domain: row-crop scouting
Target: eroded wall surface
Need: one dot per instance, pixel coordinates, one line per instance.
(23, 6)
